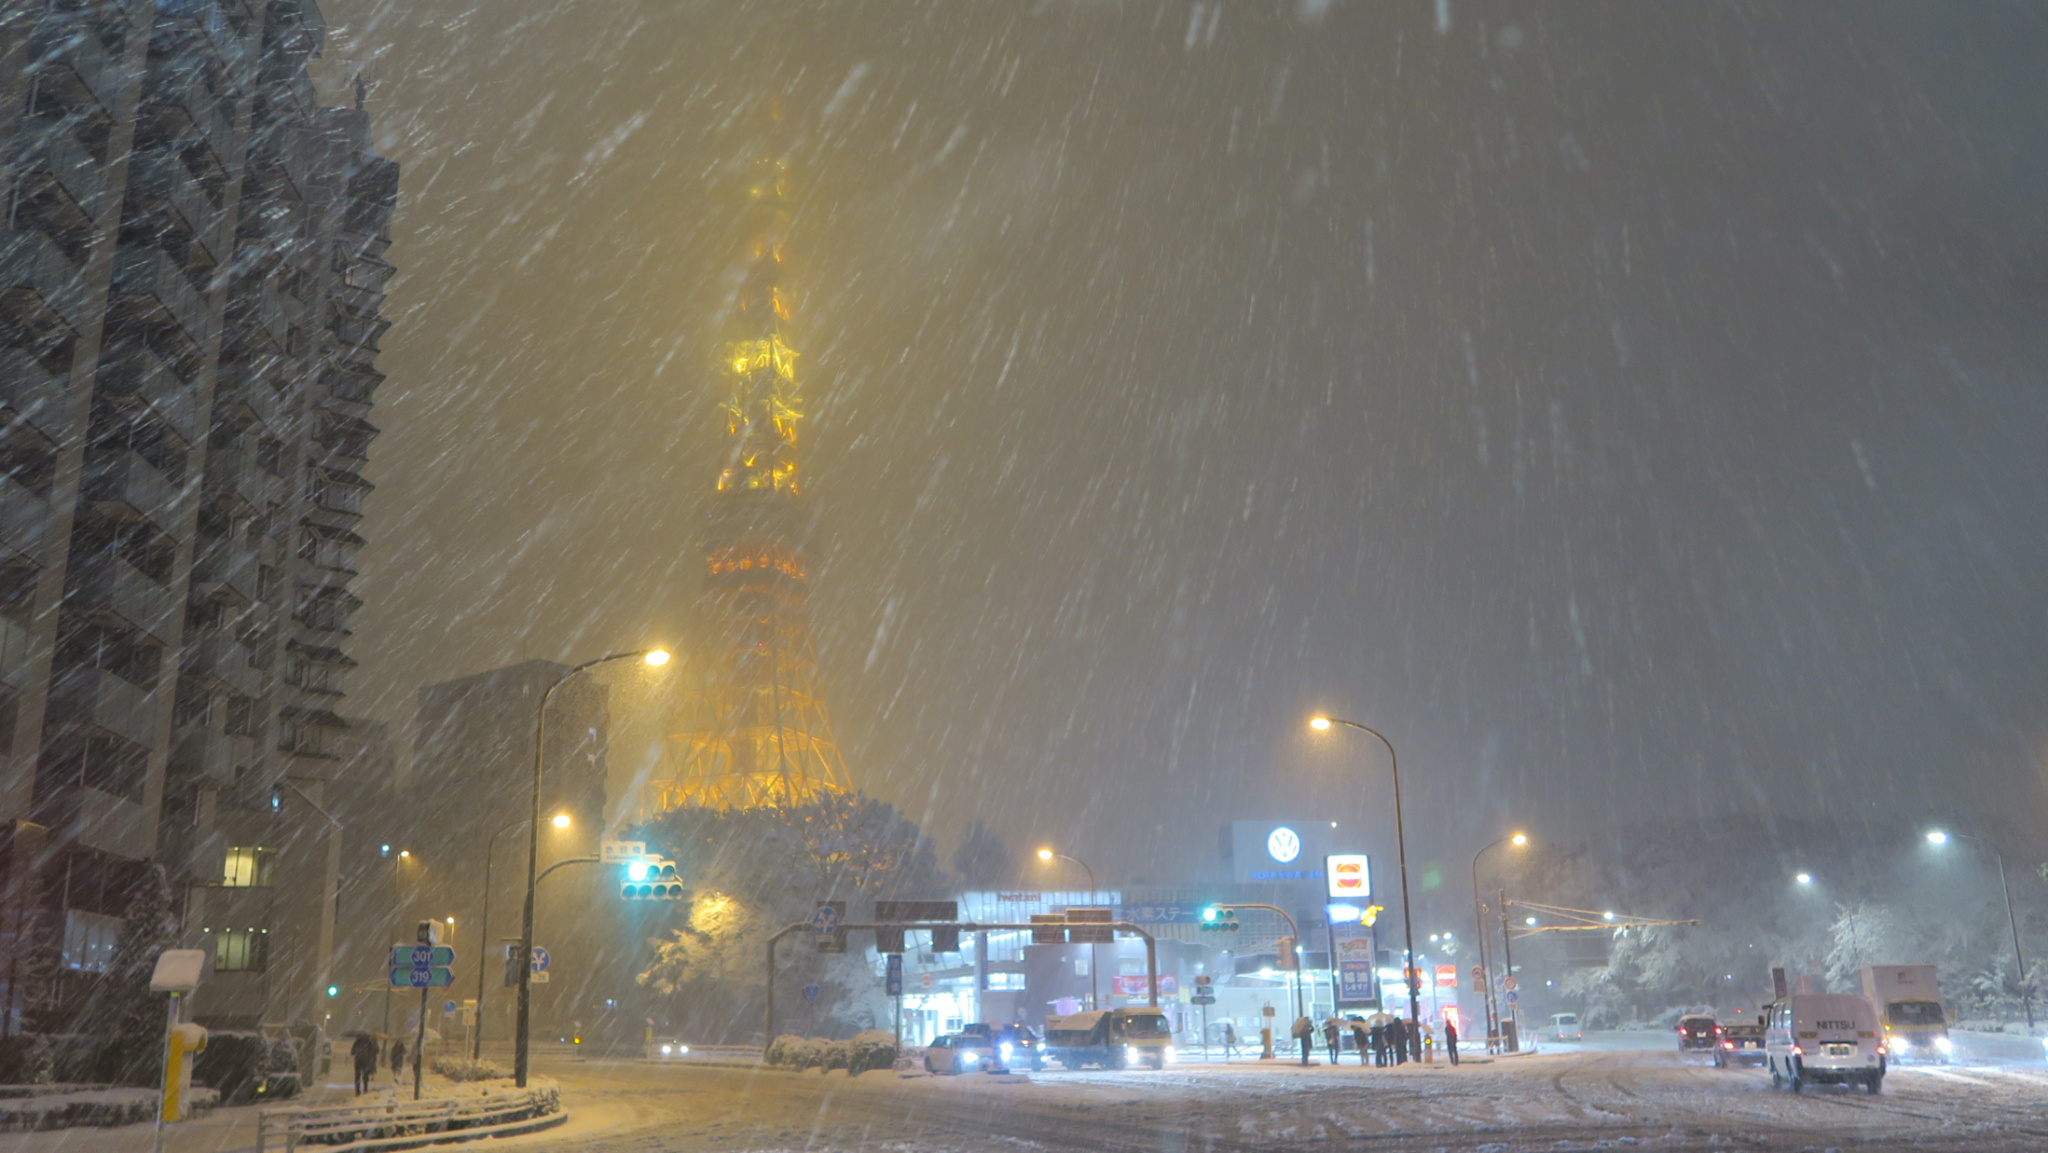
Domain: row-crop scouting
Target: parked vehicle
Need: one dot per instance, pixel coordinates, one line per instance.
(1908, 1001)
(1565, 1027)
(1740, 1044)
(1698, 1033)
(960, 1053)
(1824, 1038)
(1110, 1038)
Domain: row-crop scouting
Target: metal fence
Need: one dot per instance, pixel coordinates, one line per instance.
(401, 1124)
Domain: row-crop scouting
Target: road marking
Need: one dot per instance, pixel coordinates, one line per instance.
(1950, 1075)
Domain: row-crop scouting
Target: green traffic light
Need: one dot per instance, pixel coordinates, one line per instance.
(1210, 914)
(334, 990)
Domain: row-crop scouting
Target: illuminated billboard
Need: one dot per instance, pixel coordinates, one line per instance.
(1350, 876)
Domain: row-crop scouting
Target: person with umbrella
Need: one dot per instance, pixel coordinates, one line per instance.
(363, 1051)
(1358, 1038)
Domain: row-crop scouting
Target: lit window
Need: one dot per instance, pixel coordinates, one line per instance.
(248, 868)
(89, 940)
(241, 950)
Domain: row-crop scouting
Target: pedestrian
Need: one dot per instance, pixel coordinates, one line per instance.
(1229, 1040)
(1379, 1046)
(1333, 1033)
(398, 1059)
(363, 1051)
(1358, 1039)
(1304, 1031)
(1451, 1042)
(1397, 1040)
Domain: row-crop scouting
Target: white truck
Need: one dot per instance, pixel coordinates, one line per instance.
(1908, 1001)
(1112, 1038)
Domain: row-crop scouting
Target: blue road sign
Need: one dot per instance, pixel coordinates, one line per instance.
(895, 975)
(810, 992)
(1513, 996)
(540, 959)
(825, 921)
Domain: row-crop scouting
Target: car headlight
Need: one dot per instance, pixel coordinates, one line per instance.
(1169, 1052)
(1007, 1050)
(1900, 1044)
(666, 1049)
(1130, 1052)
(1944, 1044)
(964, 1059)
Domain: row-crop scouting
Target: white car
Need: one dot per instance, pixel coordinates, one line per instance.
(960, 1053)
(666, 1047)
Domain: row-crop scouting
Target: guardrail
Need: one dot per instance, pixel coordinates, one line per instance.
(401, 1124)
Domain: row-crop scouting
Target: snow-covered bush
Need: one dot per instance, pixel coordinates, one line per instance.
(871, 1049)
(464, 1069)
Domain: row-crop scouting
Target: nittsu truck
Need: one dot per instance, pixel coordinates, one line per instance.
(1110, 1038)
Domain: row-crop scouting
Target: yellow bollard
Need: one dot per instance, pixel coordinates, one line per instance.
(186, 1039)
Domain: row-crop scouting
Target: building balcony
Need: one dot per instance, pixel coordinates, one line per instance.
(233, 476)
(177, 87)
(96, 699)
(24, 518)
(203, 752)
(75, 69)
(64, 160)
(157, 289)
(258, 309)
(113, 592)
(160, 173)
(32, 395)
(238, 390)
(122, 485)
(214, 656)
(225, 571)
(40, 283)
(141, 379)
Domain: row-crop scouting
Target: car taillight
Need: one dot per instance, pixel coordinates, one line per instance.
(1727, 1044)
(1798, 1052)
(1880, 1050)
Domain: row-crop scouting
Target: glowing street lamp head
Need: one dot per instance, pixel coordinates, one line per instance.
(1518, 840)
(1319, 724)
(1937, 837)
(405, 854)
(1804, 878)
(656, 657)
(1045, 854)
(561, 820)
(451, 920)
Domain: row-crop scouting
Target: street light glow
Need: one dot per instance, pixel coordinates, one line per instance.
(1608, 915)
(404, 854)
(561, 820)
(1804, 878)
(1937, 837)
(1045, 854)
(1518, 840)
(1319, 724)
(656, 657)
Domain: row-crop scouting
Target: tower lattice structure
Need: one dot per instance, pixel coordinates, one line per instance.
(755, 733)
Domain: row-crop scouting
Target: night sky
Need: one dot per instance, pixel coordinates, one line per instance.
(1632, 410)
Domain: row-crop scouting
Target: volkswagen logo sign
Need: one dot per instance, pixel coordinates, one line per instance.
(1283, 844)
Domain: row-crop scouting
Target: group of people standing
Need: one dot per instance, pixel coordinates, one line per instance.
(1388, 1043)
(364, 1051)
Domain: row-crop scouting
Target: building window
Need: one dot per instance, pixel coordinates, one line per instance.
(304, 738)
(248, 867)
(241, 950)
(89, 940)
(314, 676)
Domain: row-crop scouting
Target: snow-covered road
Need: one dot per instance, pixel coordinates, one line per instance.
(1605, 1095)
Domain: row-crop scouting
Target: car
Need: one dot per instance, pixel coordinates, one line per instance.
(960, 1053)
(1565, 1027)
(1824, 1038)
(666, 1048)
(1740, 1044)
(1698, 1033)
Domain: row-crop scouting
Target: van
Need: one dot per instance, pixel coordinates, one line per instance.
(1564, 1027)
(1824, 1038)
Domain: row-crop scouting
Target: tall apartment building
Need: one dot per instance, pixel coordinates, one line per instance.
(191, 271)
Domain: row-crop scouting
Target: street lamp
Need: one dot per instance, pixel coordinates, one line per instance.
(483, 935)
(1518, 840)
(521, 1048)
(1939, 838)
(1321, 725)
(1094, 979)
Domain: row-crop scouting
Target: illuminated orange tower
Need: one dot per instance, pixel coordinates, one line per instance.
(756, 734)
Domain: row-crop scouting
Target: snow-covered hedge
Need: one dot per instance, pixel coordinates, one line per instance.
(870, 1049)
(464, 1069)
(93, 1107)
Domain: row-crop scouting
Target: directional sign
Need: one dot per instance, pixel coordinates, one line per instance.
(810, 992)
(895, 987)
(825, 920)
(540, 959)
(431, 978)
(1513, 996)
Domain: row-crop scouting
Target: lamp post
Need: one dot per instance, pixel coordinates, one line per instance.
(1938, 837)
(483, 932)
(1094, 978)
(521, 1042)
(1479, 918)
(397, 898)
(1322, 724)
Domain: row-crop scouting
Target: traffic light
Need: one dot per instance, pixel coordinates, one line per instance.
(653, 879)
(334, 990)
(1219, 919)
